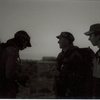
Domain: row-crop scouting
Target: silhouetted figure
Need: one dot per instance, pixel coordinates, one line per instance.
(9, 61)
(71, 80)
(94, 38)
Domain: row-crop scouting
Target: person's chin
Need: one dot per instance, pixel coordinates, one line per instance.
(94, 44)
(60, 47)
(22, 48)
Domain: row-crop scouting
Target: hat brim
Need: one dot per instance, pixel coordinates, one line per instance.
(89, 33)
(29, 44)
(58, 36)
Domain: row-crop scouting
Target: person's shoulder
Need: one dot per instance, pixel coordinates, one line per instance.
(87, 51)
(75, 52)
(10, 50)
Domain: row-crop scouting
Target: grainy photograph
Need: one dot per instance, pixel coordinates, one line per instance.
(49, 49)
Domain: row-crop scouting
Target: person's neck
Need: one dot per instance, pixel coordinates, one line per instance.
(66, 48)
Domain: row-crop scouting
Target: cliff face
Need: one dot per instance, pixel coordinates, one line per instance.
(40, 81)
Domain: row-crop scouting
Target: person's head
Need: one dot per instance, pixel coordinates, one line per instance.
(65, 39)
(22, 39)
(94, 34)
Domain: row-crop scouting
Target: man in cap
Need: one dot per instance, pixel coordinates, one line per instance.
(94, 38)
(68, 83)
(9, 61)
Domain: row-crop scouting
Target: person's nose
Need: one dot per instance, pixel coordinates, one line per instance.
(58, 41)
(89, 38)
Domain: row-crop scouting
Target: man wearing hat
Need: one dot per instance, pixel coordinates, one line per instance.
(94, 38)
(9, 60)
(67, 82)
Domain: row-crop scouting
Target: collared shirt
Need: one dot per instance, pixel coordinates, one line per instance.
(96, 69)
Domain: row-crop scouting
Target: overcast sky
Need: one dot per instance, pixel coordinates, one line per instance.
(45, 19)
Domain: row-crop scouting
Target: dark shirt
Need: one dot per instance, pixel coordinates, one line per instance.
(69, 62)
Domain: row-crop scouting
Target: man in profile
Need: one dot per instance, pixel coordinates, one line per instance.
(94, 38)
(72, 73)
(9, 60)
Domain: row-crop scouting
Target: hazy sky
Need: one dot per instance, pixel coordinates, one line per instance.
(45, 19)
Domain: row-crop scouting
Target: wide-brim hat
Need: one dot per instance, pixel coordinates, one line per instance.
(93, 28)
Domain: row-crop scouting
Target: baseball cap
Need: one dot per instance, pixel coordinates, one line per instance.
(66, 35)
(93, 28)
(23, 35)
